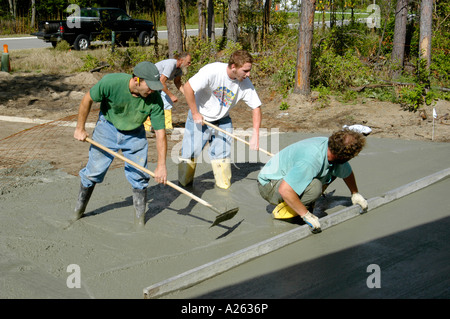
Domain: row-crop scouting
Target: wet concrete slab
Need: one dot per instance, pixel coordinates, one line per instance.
(115, 261)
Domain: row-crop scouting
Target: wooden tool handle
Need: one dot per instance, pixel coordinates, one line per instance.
(234, 136)
(178, 188)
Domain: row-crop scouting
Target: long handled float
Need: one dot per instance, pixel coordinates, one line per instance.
(221, 216)
(234, 136)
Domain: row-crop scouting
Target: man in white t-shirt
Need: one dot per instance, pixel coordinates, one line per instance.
(170, 70)
(210, 95)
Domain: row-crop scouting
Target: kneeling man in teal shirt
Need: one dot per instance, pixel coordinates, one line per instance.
(296, 176)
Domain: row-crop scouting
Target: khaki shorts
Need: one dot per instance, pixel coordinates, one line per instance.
(270, 192)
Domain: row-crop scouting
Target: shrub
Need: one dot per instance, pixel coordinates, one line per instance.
(339, 72)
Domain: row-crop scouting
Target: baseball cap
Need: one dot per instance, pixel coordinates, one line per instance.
(150, 74)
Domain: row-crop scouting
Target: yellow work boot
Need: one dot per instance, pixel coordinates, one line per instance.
(283, 211)
(168, 119)
(222, 172)
(186, 171)
(148, 124)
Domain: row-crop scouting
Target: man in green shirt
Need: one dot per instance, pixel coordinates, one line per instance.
(295, 177)
(125, 103)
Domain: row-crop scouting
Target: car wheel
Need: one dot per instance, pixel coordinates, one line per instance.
(81, 42)
(144, 39)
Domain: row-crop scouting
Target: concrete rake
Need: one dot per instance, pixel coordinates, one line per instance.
(221, 216)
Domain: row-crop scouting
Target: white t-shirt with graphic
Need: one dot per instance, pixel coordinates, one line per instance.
(216, 93)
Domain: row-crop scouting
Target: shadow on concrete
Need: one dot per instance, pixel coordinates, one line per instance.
(160, 197)
(413, 265)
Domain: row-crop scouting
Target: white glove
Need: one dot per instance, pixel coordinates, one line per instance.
(361, 201)
(312, 221)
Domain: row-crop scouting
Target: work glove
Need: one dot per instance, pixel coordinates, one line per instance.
(313, 222)
(361, 201)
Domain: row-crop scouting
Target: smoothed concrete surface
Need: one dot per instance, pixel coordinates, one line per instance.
(117, 262)
(407, 239)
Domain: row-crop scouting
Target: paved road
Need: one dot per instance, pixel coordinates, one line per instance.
(23, 43)
(32, 42)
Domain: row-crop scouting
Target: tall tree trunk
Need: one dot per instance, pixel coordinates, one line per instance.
(398, 50)
(201, 6)
(304, 47)
(174, 27)
(426, 21)
(33, 13)
(127, 6)
(211, 21)
(153, 15)
(13, 8)
(266, 20)
(233, 22)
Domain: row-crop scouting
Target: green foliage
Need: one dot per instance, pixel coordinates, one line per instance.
(440, 57)
(62, 46)
(126, 58)
(339, 72)
(413, 98)
(278, 60)
(204, 52)
(284, 106)
(381, 94)
(121, 60)
(90, 62)
(279, 21)
(324, 95)
(353, 37)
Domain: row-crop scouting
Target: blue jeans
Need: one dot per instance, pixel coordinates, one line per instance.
(134, 146)
(168, 104)
(196, 136)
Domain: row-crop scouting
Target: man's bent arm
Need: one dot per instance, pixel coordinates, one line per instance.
(350, 181)
(83, 112)
(161, 149)
(291, 198)
(190, 99)
(257, 117)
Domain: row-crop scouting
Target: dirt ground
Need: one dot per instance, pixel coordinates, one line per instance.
(56, 97)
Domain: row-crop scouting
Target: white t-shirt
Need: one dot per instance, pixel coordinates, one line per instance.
(216, 93)
(169, 69)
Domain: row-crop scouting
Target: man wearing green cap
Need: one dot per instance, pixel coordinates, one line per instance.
(125, 103)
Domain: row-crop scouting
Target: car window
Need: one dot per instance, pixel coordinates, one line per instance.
(89, 13)
(114, 15)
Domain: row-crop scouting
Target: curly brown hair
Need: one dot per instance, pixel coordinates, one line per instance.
(346, 144)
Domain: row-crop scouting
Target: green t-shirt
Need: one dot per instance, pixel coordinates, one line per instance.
(299, 163)
(125, 111)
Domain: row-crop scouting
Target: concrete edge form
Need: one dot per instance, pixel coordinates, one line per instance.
(218, 266)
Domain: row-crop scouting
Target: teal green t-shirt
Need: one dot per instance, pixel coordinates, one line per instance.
(125, 111)
(299, 163)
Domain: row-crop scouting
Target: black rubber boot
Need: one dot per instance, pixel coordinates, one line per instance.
(139, 201)
(83, 198)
